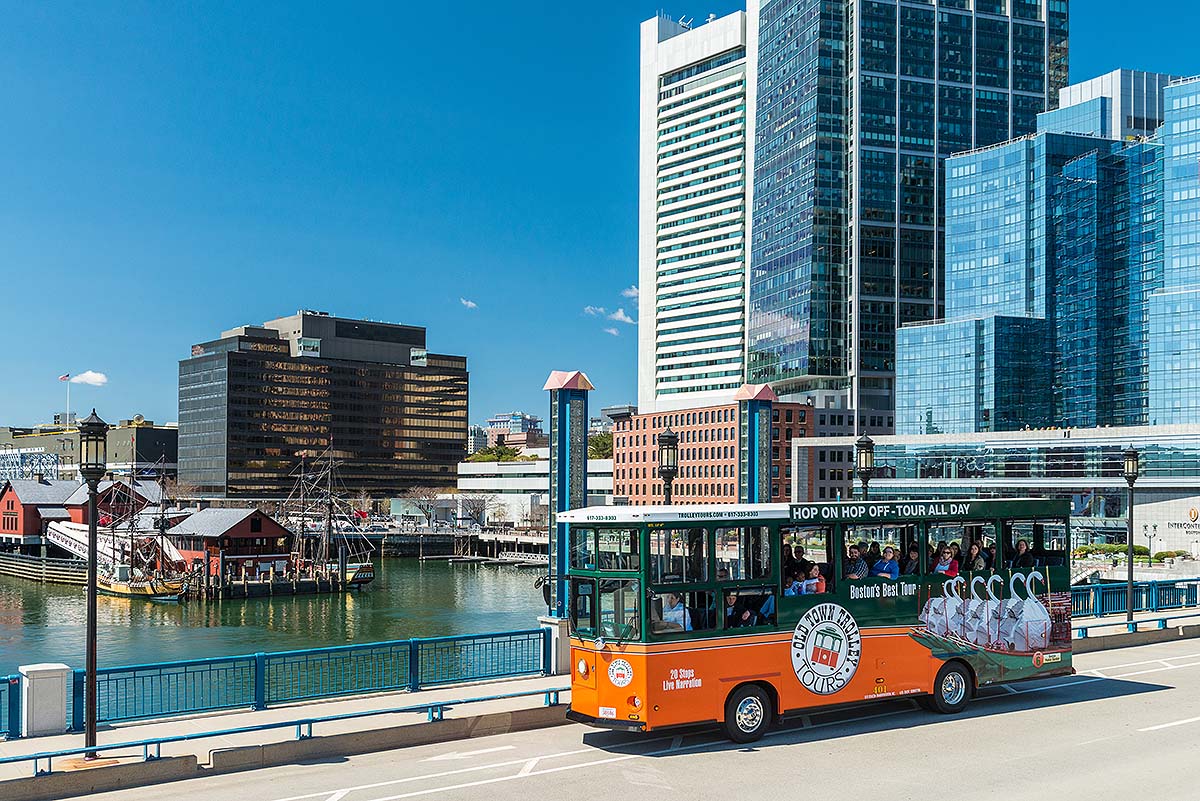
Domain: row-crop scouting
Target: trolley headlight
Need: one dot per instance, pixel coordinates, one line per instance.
(582, 667)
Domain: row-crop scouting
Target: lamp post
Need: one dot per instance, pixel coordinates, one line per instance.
(93, 459)
(864, 461)
(1131, 475)
(668, 461)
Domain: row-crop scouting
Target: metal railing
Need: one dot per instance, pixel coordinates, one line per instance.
(1097, 600)
(152, 746)
(259, 680)
(1160, 623)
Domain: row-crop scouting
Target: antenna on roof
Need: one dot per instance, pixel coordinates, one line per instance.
(685, 23)
(711, 17)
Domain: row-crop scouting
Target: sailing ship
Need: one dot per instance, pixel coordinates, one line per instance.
(134, 557)
(329, 537)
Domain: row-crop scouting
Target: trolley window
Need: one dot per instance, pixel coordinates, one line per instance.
(678, 555)
(744, 553)
(618, 549)
(620, 610)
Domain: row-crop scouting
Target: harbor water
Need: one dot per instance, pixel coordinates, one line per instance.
(409, 598)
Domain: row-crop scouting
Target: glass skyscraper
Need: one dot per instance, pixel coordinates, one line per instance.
(857, 106)
(1066, 230)
(1175, 312)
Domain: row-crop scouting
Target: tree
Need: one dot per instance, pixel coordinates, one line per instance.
(424, 499)
(177, 490)
(498, 453)
(478, 507)
(600, 446)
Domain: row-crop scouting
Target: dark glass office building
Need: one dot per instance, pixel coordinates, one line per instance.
(858, 104)
(258, 400)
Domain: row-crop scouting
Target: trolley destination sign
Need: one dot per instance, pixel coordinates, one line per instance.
(895, 511)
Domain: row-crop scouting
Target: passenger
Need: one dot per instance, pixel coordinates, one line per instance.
(912, 565)
(856, 566)
(1024, 557)
(935, 553)
(958, 552)
(722, 574)
(886, 566)
(673, 611)
(991, 556)
(787, 560)
(815, 582)
(946, 564)
(802, 561)
(975, 560)
(873, 554)
(766, 612)
(794, 583)
(736, 613)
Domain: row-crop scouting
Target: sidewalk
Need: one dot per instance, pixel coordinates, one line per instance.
(204, 749)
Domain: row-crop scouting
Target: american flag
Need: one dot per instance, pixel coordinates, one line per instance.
(64, 377)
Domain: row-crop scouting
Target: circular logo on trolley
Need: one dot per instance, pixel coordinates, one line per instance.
(826, 647)
(620, 673)
(1039, 659)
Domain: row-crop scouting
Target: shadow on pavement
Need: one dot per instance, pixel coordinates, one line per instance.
(864, 718)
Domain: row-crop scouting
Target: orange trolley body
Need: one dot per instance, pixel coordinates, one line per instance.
(928, 635)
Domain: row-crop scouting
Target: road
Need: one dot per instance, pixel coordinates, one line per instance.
(1126, 726)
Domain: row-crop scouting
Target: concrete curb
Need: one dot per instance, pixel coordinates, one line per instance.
(1109, 642)
(86, 781)
(229, 760)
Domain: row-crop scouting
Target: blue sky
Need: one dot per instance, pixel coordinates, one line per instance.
(208, 165)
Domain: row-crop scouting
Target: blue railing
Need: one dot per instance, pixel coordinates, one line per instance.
(259, 680)
(152, 746)
(1097, 600)
(10, 706)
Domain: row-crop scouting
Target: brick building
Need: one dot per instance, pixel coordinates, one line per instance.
(708, 453)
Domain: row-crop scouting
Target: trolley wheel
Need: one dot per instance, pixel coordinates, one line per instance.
(748, 713)
(951, 689)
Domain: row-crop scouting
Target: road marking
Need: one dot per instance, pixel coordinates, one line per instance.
(338, 796)
(676, 742)
(1154, 670)
(1171, 725)
(1143, 662)
(467, 754)
(529, 766)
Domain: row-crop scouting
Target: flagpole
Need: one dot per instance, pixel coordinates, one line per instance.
(67, 419)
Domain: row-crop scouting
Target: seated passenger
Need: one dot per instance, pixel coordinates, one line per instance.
(873, 553)
(793, 584)
(912, 565)
(786, 559)
(886, 567)
(674, 612)
(814, 583)
(946, 564)
(766, 612)
(856, 566)
(801, 561)
(1024, 557)
(975, 560)
(990, 554)
(736, 613)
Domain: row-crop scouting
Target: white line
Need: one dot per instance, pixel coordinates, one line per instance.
(529, 766)
(465, 754)
(338, 796)
(1154, 670)
(1144, 662)
(1171, 724)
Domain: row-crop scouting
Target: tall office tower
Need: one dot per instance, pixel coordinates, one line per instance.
(260, 399)
(1054, 245)
(692, 212)
(857, 105)
(1132, 104)
(1175, 312)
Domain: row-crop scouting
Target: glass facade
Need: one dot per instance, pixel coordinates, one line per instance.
(1067, 229)
(249, 412)
(1174, 330)
(858, 106)
(988, 374)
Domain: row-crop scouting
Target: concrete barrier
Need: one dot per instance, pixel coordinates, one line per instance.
(227, 760)
(1108, 642)
(86, 781)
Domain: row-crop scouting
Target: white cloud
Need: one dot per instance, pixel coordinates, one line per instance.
(594, 311)
(470, 304)
(621, 317)
(91, 378)
(630, 292)
(612, 331)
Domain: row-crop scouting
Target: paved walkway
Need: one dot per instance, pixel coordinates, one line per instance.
(140, 730)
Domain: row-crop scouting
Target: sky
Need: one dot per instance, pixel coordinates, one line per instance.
(170, 171)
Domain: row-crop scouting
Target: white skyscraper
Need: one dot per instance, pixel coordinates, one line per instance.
(694, 198)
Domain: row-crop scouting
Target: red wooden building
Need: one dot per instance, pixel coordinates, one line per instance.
(27, 506)
(249, 539)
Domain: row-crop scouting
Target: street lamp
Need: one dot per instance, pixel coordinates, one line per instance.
(864, 461)
(668, 461)
(1131, 475)
(93, 462)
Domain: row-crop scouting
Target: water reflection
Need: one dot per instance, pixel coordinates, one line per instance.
(45, 623)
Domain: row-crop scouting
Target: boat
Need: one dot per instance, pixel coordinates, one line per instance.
(330, 540)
